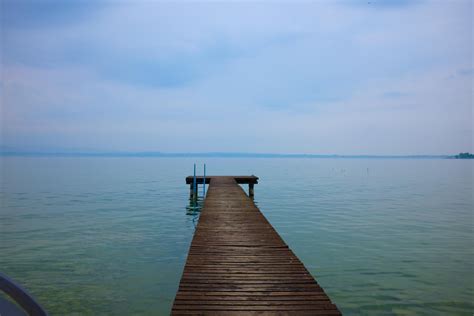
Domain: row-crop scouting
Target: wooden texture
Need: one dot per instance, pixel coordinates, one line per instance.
(239, 265)
(238, 179)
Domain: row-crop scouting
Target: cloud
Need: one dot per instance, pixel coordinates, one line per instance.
(381, 4)
(26, 14)
(395, 94)
(466, 72)
(305, 77)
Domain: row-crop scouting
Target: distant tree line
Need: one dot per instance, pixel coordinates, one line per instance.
(464, 156)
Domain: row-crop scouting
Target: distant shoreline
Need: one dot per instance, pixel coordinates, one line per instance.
(214, 155)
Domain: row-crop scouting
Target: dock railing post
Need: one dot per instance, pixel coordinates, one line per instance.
(251, 193)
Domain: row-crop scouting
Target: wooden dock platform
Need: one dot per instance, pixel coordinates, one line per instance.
(239, 265)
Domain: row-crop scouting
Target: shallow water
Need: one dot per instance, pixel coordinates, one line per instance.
(108, 236)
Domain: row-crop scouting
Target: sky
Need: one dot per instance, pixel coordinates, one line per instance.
(322, 77)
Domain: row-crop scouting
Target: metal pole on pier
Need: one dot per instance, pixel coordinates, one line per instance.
(194, 183)
(204, 183)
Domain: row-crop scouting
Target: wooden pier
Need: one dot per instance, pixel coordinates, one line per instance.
(239, 265)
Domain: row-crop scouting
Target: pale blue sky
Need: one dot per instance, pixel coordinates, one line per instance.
(322, 77)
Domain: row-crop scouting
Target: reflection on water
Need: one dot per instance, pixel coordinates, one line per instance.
(193, 209)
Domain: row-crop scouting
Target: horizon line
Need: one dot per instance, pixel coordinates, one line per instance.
(208, 154)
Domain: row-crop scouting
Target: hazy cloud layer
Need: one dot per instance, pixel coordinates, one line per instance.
(347, 77)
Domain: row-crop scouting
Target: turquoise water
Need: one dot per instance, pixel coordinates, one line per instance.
(109, 236)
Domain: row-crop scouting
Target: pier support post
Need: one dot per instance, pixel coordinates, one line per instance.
(193, 190)
(251, 193)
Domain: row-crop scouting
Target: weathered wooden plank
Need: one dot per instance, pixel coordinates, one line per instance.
(239, 265)
(307, 307)
(250, 296)
(250, 287)
(253, 294)
(279, 302)
(259, 313)
(247, 276)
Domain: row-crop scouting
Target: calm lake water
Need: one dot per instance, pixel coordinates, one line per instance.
(109, 236)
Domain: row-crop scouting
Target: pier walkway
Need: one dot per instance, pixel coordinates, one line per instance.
(239, 265)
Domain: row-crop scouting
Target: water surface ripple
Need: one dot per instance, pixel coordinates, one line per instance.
(109, 236)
